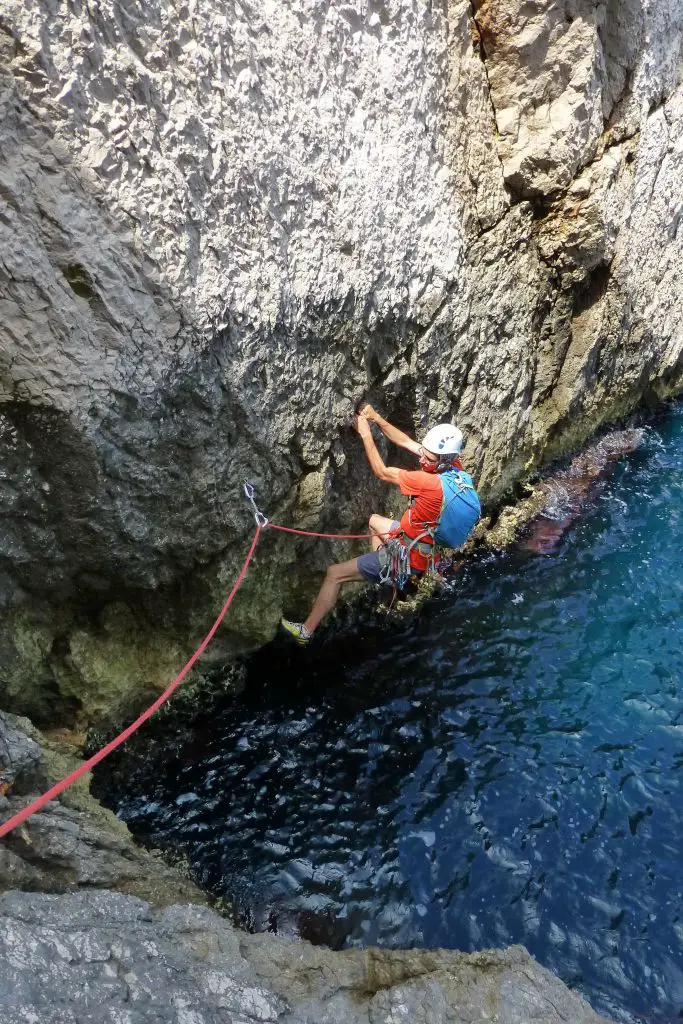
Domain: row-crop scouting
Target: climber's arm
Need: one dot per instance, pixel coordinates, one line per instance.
(387, 473)
(392, 433)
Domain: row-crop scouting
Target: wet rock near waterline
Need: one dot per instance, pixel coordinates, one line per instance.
(61, 849)
(107, 957)
(566, 493)
(538, 521)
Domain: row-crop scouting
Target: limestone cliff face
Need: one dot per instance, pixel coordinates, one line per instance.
(225, 223)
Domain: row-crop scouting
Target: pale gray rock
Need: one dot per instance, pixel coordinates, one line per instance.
(96, 957)
(561, 75)
(220, 228)
(19, 754)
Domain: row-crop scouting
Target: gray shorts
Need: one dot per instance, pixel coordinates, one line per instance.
(371, 564)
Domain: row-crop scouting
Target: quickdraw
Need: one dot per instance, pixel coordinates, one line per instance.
(396, 568)
(395, 558)
(249, 493)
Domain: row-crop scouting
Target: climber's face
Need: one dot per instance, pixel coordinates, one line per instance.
(428, 460)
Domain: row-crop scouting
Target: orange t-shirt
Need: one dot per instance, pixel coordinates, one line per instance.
(428, 493)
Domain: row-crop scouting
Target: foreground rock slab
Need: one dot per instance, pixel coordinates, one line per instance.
(99, 956)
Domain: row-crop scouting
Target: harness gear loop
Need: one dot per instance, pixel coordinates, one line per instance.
(396, 569)
(260, 519)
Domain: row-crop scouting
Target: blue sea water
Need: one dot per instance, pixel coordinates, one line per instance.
(507, 768)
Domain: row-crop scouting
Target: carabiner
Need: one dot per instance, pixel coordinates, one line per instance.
(260, 519)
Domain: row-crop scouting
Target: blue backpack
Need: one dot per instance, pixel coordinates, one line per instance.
(460, 509)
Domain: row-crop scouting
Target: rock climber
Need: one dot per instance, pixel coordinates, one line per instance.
(439, 451)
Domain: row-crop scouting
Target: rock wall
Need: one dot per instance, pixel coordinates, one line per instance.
(223, 224)
(73, 843)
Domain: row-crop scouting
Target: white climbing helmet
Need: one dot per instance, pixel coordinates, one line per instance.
(444, 439)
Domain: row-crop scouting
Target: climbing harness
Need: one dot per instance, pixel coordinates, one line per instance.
(262, 522)
(396, 568)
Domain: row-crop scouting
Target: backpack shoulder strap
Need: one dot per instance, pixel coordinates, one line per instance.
(462, 480)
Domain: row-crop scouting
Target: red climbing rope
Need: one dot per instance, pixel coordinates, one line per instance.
(261, 523)
(334, 536)
(59, 787)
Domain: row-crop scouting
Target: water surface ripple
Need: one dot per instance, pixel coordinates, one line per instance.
(507, 769)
